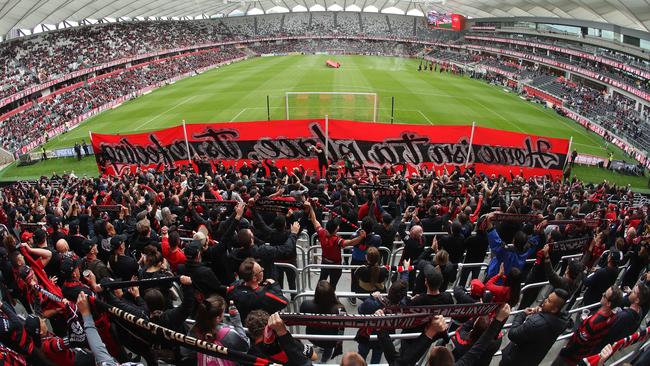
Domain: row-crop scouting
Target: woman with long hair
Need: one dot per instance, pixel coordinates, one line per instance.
(372, 276)
(324, 302)
(210, 327)
(154, 266)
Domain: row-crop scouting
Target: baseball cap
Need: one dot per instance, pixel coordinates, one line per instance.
(25, 236)
(477, 288)
(86, 246)
(117, 240)
(68, 266)
(33, 325)
(192, 249)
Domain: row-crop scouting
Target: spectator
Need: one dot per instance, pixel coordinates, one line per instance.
(535, 330)
(372, 276)
(505, 288)
(324, 302)
(170, 250)
(123, 267)
(600, 280)
(278, 346)
(331, 245)
(396, 297)
(592, 330)
(629, 318)
(211, 326)
(252, 292)
(511, 257)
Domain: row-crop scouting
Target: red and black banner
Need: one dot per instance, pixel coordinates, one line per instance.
(373, 145)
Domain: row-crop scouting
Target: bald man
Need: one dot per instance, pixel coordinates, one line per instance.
(413, 247)
(353, 359)
(62, 247)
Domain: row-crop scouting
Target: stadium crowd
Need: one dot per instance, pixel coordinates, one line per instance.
(40, 58)
(614, 112)
(602, 69)
(68, 242)
(339, 46)
(55, 110)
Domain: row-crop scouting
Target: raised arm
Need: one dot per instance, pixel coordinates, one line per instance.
(43, 254)
(312, 216)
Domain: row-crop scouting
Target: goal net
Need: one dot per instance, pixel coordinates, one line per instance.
(336, 105)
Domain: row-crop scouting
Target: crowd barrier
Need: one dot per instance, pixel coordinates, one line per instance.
(304, 289)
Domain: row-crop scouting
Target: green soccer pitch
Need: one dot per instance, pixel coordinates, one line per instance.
(238, 92)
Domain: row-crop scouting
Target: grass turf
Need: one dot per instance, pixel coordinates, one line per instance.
(238, 93)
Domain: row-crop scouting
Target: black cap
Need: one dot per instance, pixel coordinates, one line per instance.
(86, 246)
(33, 325)
(68, 266)
(116, 241)
(192, 249)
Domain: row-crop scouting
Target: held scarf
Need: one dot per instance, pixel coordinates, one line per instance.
(570, 246)
(335, 214)
(76, 334)
(201, 346)
(618, 345)
(507, 217)
(266, 204)
(108, 208)
(224, 207)
(397, 317)
(380, 190)
(151, 282)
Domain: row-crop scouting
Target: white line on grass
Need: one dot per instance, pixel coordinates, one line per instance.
(425, 117)
(162, 113)
(498, 114)
(238, 114)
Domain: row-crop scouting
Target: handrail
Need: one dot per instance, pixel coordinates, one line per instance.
(307, 269)
(295, 269)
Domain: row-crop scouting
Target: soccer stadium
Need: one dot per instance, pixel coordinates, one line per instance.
(285, 182)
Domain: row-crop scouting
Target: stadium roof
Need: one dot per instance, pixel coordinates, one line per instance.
(28, 14)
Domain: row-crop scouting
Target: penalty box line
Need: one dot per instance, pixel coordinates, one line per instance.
(382, 109)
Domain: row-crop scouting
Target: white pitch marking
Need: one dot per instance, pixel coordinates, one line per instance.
(238, 114)
(425, 117)
(160, 114)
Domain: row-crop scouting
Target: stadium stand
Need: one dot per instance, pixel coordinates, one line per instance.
(93, 246)
(186, 235)
(49, 57)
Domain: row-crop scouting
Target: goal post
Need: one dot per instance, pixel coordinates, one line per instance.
(338, 105)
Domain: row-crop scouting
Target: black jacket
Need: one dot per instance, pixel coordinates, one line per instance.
(267, 297)
(597, 283)
(454, 245)
(531, 338)
(476, 247)
(416, 349)
(265, 255)
(203, 279)
(284, 348)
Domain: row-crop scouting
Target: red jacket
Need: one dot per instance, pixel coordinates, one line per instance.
(174, 257)
(501, 292)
